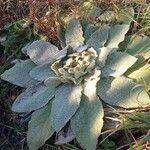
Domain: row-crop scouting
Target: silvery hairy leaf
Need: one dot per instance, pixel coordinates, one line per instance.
(141, 73)
(117, 16)
(98, 38)
(116, 35)
(88, 120)
(33, 98)
(40, 128)
(19, 74)
(117, 64)
(90, 29)
(103, 55)
(53, 81)
(66, 102)
(137, 45)
(74, 34)
(122, 92)
(42, 72)
(42, 52)
(62, 53)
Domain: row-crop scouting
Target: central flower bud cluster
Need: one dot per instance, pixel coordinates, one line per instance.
(76, 66)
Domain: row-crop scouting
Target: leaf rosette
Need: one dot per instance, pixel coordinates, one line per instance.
(76, 66)
(68, 85)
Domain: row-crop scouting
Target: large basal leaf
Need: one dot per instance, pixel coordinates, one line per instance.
(141, 74)
(90, 29)
(123, 92)
(90, 85)
(137, 45)
(53, 81)
(65, 104)
(74, 34)
(103, 54)
(42, 72)
(98, 38)
(19, 74)
(117, 35)
(82, 48)
(33, 98)
(62, 53)
(117, 64)
(41, 52)
(40, 128)
(88, 120)
(124, 16)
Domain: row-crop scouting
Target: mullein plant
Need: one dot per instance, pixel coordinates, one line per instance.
(68, 87)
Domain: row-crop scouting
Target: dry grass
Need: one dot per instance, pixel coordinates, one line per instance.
(45, 14)
(12, 10)
(16, 8)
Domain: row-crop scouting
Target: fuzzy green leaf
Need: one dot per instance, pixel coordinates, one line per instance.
(88, 120)
(61, 54)
(98, 38)
(124, 16)
(141, 74)
(65, 104)
(90, 29)
(82, 48)
(33, 98)
(42, 72)
(39, 128)
(104, 53)
(117, 35)
(137, 45)
(41, 52)
(52, 81)
(74, 34)
(90, 85)
(19, 74)
(117, 64)
(123, 92)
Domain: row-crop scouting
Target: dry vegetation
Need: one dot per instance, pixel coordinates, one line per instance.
(45, 13)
